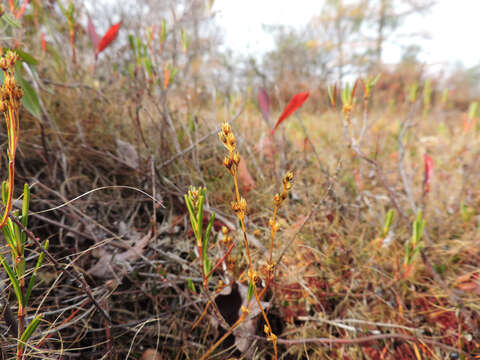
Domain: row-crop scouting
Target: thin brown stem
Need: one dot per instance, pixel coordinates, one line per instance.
(250, 265)
(222, 339)
(272, 236)
(219, 262)
(240, 207)
(361, 340)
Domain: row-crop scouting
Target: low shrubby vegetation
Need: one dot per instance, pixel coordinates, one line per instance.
(152, 210)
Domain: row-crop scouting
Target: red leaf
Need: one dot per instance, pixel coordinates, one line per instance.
(428, 172)
(166, 76)
(264, 103)
(292, 106)
(22, 10)
(44, 43)
(108, 37)
(92, 32)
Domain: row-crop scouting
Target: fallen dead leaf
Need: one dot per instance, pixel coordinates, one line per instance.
(127, 153)
(114, 265)
(470, 287)
(151, 354)
(469, 283)
(230, 301)
(246, 181)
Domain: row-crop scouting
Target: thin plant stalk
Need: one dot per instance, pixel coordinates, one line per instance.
(278, 199)
(227, 333)
(11, 95)
(240, 208)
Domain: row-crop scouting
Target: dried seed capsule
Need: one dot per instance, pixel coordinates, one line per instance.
(288, 177)
(277, 200)
(231, 141)
(252, 276)
(222, 137)
(243, 204)
(235, 206)
(266, 330)
(226, 129)
(4, 95)
(3, 64)
(12, 58)
(276, 227)
(3, 106)
(236, 158)
(10, 83)
(227, 162)
(18, 93)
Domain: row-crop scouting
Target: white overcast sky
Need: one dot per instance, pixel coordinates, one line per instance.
(453, 26)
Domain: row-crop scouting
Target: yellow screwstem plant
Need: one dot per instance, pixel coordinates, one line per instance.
(278, 199)
(10, 102)
(239, 206)
(10, 97)
(194, 200)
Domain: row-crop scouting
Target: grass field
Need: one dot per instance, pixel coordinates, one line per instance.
(368, 251)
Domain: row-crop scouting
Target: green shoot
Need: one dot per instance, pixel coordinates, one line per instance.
(388, 222)
(413, 247)
(195, 199)
(16, 240)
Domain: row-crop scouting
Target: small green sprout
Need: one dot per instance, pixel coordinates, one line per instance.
(195, 199)
(414, 246)
(388, 222)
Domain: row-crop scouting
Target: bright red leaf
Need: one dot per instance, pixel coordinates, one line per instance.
(44, 43)
(20, 12)
(264, 103)
(428, 172)
(166, 76)
(108, 38)
(292, 106)
(92, 32)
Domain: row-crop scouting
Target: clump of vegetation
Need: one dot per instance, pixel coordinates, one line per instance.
(130, 240)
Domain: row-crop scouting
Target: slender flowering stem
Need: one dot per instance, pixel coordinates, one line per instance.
(239, 206)
(10, 96)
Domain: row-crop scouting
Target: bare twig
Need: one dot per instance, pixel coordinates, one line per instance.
(361, 340)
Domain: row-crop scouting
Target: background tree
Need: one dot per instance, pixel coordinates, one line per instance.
(338, 29)
(388, 15)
